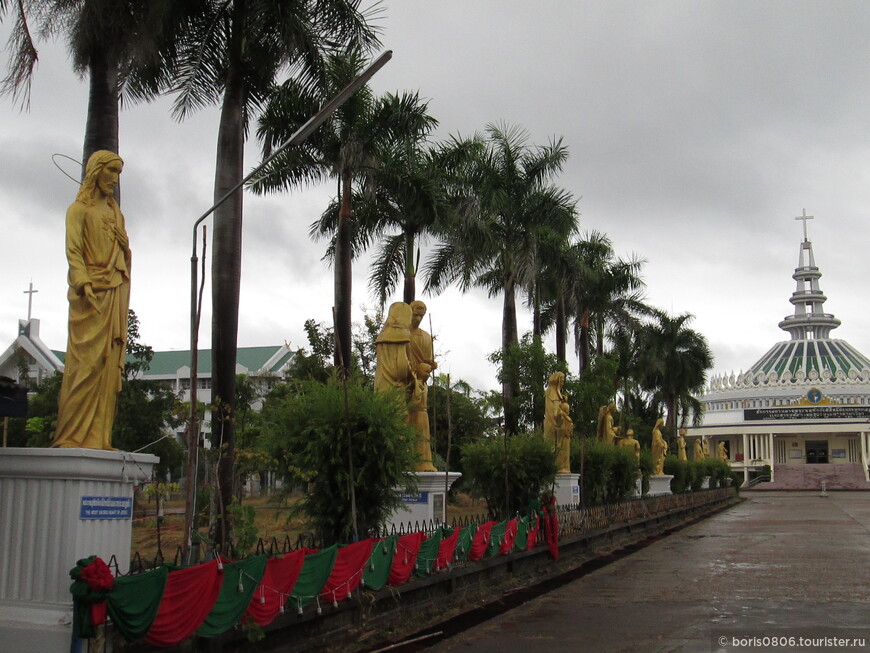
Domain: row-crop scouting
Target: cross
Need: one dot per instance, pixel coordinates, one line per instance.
(805, 217)
(29, 294)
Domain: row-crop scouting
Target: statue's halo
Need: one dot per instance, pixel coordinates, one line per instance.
(54, 158)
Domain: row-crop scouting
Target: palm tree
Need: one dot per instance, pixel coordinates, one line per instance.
(604, 289)
(676, 360)
(121, 46)
(231, 54)
(415, 199)
(515, 204)
(357, 143)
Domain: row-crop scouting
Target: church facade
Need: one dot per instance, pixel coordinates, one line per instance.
(803, 409)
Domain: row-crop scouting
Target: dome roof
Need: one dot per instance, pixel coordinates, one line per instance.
(800, 358)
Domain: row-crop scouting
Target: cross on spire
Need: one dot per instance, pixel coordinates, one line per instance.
(805, 217)
(29, 294)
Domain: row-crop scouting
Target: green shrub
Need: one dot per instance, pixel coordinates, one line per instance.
(607, 472)
(682, 477)
(305, 429)
(697, 470)
(531, 472)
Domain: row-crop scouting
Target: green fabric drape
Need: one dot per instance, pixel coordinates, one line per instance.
(378, 567)
(495, 538)
(244, 575)
(522, 534)
(315, 572)
(463, 546)
(134, 600)
(427, 555)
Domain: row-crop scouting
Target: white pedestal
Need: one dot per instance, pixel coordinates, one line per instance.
(567, 489)
(638, 487)
(57, 506)
(660, 484)
(427, 503)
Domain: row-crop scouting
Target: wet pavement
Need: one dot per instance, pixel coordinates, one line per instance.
(790, 567)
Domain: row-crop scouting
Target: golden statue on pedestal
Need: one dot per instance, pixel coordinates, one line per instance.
(558, 425)
(659, 448)
(98, 253)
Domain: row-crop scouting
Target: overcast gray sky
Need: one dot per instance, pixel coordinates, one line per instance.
(697, 130)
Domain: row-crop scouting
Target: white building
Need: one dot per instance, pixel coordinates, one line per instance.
(803, 408)
(264, 365)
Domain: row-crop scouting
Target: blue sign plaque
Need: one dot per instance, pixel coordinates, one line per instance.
(106, 508)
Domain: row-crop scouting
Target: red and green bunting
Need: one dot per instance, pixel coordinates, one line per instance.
(169, 604)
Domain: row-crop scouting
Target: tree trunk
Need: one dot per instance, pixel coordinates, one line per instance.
(101, 127)
(561, 353)
(410, 290)
(343, 278)
(226, 270)
(584, 341)
(510, 338)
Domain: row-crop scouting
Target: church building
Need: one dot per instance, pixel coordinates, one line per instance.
(803, 409)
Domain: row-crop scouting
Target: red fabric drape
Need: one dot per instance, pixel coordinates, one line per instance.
(533, 534)
(480, 541)
(551, 527)
(187, 600)
(276, 586)
(405, 558)
(446, 549)
(348, 570)
(510, 535)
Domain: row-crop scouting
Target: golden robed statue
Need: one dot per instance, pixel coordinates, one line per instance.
(659, 448)
(630, 443)
(606, 432)
(722, 452)
(558, 425)
(98, 253)
(405, 360)
(681, 445)
(422, 357)
(698, 449)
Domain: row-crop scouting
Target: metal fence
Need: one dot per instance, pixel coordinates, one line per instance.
(573, 519)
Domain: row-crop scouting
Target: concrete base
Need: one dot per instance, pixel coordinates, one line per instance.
(567, 489)
(660, 484)
(57, 506)
(427, 503)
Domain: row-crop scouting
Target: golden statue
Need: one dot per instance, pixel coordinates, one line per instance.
(706, 444)
(681, 445)
(558, 425)
(721, 452)
(422, 358)
(606, 431)
(698, 449)
(98, 253)
(393, 367)
(631, 443)
(659, 449)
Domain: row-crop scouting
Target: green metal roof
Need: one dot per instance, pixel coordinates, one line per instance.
(167, 363)
(807, 355)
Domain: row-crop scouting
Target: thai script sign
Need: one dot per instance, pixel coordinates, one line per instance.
(806, 412)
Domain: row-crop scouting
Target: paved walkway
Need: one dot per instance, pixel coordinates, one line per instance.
(778, 565)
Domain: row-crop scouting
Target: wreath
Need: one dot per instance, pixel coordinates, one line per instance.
(92, 582)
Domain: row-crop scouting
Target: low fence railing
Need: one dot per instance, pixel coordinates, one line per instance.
(572, 519)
